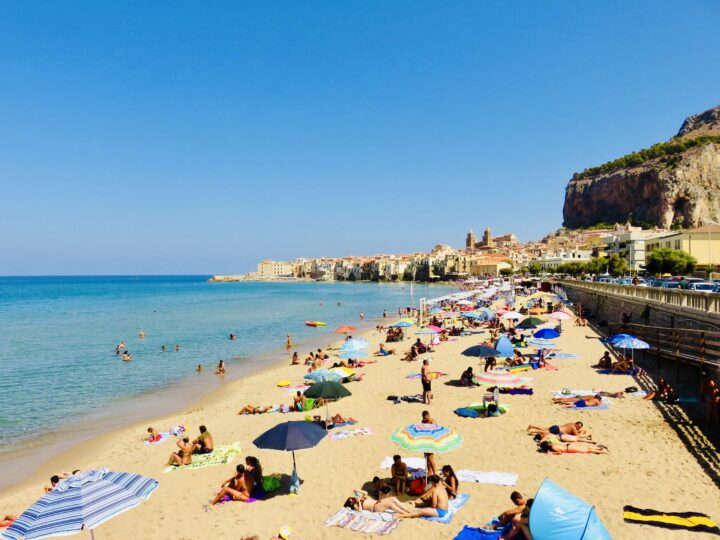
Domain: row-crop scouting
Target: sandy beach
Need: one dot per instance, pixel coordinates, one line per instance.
(648, 465)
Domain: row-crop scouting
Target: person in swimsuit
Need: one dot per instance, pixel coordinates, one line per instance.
(426, 382)
(252, 409)
(570, 402)
(220, 368)
(434, 503)
(399, 471)
(153, 436)
(573, 429)
(235, 487)
(450, 481)
(253, 474)
(182, 456)
(363, 501)
(295, 359)
(204, 443)
(508, 515)
(288, 342)
(429, 458)
(553, 445)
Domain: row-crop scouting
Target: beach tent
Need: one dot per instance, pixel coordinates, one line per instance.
(559, 515)
(505, 348)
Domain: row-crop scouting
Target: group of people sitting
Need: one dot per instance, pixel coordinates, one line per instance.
(394, 334)
(416, 350)
(569, 438)
(664, 392)
(247, 482)
(433, 502)
(624, 364)
(202, 444)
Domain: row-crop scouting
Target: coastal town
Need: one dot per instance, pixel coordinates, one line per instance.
(493, 256)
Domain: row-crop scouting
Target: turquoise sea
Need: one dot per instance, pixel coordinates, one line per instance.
(58, 366)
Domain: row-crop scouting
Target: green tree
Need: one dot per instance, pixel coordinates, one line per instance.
(670, 261)
(534, 269)
(506, 272)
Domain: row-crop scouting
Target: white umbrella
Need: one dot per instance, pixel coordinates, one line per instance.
(560, 316)
(511, 315)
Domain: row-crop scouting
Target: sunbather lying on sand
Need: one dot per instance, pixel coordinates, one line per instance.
(252, 409)
(571, 402)
(552, 445)
(363, 501)
(382, 351)
(574, 429)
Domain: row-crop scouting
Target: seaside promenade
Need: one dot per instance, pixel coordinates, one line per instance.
(648, 465)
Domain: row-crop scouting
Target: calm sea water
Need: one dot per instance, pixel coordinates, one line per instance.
(58, 336)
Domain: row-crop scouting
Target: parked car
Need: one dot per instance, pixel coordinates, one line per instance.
(707, 286)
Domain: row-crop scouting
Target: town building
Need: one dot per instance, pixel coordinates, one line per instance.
(702, 243)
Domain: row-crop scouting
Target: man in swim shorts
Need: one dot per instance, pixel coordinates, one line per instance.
(434, 503)
(426, 382)
(204, 443)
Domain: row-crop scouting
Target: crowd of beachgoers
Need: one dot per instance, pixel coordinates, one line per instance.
(509, 333)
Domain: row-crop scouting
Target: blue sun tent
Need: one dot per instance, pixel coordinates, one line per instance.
(505, 347)
(559, 515)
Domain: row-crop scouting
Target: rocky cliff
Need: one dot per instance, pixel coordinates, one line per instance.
(677, 182)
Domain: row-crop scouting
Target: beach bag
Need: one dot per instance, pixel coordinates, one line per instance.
(631, 389)
(271, 483)
(417, 486)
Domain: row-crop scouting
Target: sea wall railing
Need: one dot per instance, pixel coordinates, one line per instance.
(699, 300)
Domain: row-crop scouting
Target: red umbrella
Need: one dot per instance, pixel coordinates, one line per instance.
(345, 329)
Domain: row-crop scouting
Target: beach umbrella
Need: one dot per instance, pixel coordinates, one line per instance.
(426, 331)
(501, 379)
(465, 303)
(343, 372)
(481, 350)
(618, 337)
(475, 315)
(530, 322)
(355, 344)
(289, 437)
(436, 328)
(560, 316)
(322, 375)
(328, 391)
(345, 329)
(427, 438)
(511, 315)
(547, 333)
(401, 324)
(435, 311)
(82, 501)
(352, 354)
(631, 343)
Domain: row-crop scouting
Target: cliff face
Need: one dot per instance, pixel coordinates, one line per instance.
(682, 188)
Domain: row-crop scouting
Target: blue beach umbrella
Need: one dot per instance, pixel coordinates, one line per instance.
(322, 375)
(480, 350)
(547, 333)
(474, 315)
(618, 337)
(355, 344)
(435, 310)
(291, 436)
(630, 343)
(541, 343)
(401, 324)
(82, 501)
(354, 354)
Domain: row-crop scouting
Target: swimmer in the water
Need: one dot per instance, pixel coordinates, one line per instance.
(163, 348)
(177, 348)
(232, 336)
(142, 334)
(199, 368)
(126, 356)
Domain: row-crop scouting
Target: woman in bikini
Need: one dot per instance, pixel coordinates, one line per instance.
(363, 501)
(182, 456)
(235, 487)
(553, 445)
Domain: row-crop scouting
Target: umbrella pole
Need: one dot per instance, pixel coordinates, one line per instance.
(294, 465)
(92, 534)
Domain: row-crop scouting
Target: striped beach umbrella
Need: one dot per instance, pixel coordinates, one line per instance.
(501, 379)
(82, 501)
(322, 375)
(560, 315)
(427, 438)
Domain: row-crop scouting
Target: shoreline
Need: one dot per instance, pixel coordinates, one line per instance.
(166, 401)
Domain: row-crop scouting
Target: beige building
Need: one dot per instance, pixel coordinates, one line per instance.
(702, 243)
(275, 269)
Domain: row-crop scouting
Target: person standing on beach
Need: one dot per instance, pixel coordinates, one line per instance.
(429, 458)
(426, 382)
(384, 313)
(288, 342)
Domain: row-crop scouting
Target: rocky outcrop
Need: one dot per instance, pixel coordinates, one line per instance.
(681, 187)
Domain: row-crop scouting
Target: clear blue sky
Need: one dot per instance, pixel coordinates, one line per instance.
(199, 137)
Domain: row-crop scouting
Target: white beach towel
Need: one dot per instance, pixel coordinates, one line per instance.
(492, 477)
(411, 462)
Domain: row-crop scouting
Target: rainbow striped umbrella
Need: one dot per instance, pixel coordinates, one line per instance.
(427, 438)
(502, 379)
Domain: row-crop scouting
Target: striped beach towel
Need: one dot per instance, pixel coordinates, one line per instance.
(689, 521)
(347, 433)
(364, 521)
(219, 456)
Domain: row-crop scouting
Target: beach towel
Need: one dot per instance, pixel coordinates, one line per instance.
(562, 356)
(491, 477)
(453, 506)
(635, 371)
(271, 483)
(433, 375)
(348, 422)
(602, 407)
(347, 433)
(219, 456)
(476, 533)
(688, 521)
(415, 398)
(164, 436)
(517, 391)
(363, 521)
